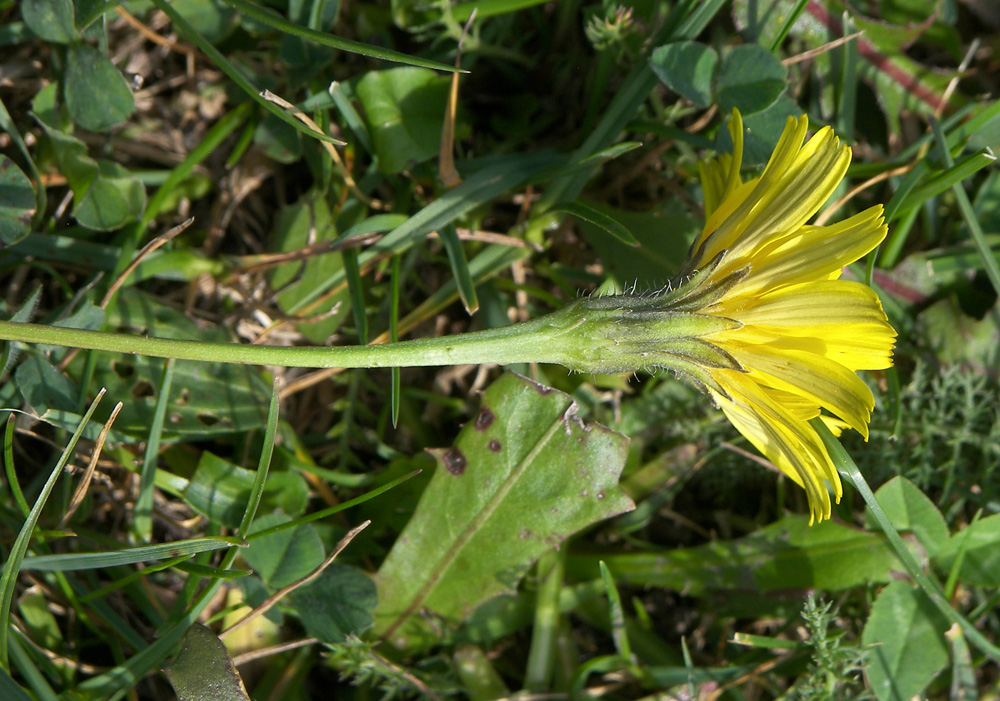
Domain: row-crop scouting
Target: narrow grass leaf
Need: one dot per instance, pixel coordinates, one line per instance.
(143, 523)
(617, 615)
(459, 268)
(30, 671)
(475, 191)
(233, 72)
(356, 286)
(787, 22)
(263, 464)
(394, 388)
(8, 463)
(127, 556)
(272, 19)
(965, 206)
(608, 223)
(948, 178)
(8, 578)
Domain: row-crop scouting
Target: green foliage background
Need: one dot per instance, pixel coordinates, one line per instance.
(503, 553)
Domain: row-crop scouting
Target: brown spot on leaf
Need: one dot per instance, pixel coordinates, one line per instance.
(495, 445)
(454, 461)
(484, 419)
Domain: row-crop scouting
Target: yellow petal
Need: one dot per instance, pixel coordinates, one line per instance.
(844, 318)
(831, 385)
(787, 441)
(814, 252)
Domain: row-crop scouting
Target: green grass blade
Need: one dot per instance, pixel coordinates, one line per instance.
(316, 516)
(127, 556)
(459, 268)
(7, 125)
(542, 652)
(263, 464)
(143, 523)
(235, 74)
(848, 106)
(118, 681)
(476, 190)
(10, 691)
(351, 117)
(849, 470)
(357, 289)
(952, 175)
(272, 19)
(8, 463)
(394, 373)
(786, 25)
(965, 206)
(8, 578)
(490, 8)
(593, 216)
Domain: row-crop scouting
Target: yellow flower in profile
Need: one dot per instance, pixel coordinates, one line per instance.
(797, 333)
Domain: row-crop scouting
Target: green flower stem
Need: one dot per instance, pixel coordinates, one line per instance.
(622, 333)
(510, 344)
(849, 470)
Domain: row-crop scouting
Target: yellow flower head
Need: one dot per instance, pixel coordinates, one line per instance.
(758, 317)
(797, 334)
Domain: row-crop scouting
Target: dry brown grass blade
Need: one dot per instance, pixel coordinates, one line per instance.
(813, 53)
(330, 150)
(88, 475)
(272, 600)
(446, 161)
(154, 37)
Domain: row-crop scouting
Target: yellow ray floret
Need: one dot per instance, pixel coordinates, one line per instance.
(800, 333)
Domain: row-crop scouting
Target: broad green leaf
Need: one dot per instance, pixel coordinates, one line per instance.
(904, 639)
(688, 68)
(51, 20)
(97, 95)
(127, 556)
(285, 556)
(981, 561)
(522, 477)
(71, 156)
(404, 108)
(213, 19)
(43, 386)
(278, 140)
(17, 202)
(220, 490)
(105, 194)
(750, 79)
(959, 339)
(36, 612)
(909, 509)
(203, 670)
(115, 199)
(309, 221)
(762, 131)
(786, 556)
(337, 604)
